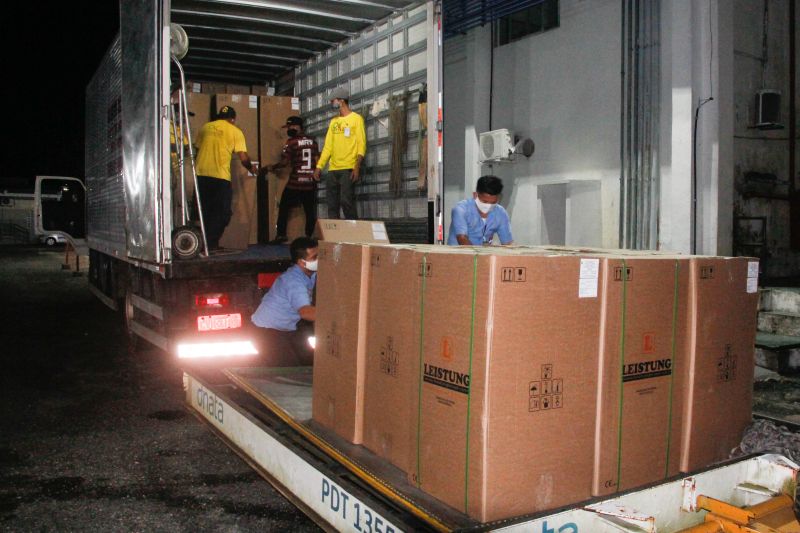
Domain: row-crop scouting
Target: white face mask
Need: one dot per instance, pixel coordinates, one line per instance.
(483, 207)
(311, 265)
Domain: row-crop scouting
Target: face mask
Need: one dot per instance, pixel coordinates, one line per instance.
(336, 105)
(483, 207)
(311, 265)
(291, 133)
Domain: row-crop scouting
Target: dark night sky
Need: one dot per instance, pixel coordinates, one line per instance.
(51, 49)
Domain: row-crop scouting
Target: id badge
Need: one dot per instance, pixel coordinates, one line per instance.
(347, 132)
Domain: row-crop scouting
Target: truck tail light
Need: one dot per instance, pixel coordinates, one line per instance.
(267, 279)
(215, 349)
(218, 299)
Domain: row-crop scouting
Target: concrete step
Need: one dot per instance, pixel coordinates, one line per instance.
(780, 300)
(779, 323)
(780, 353)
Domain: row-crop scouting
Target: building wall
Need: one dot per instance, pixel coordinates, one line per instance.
(761, 157)
(562, 91)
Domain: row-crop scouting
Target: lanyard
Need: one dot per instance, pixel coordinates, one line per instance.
(485, 222)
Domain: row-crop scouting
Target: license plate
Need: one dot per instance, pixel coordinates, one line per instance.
(217, 322)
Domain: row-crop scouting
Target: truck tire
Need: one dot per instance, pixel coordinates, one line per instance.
(127, 316)
(186, 242)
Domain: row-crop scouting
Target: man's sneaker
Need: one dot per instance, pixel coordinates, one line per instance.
(280, 239)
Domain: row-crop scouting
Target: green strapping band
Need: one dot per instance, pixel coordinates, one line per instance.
(621, 371)
(421, 350)
(672, 374)
(469, 388)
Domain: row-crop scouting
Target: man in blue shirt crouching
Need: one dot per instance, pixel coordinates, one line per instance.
(286, 312)
(475, 221)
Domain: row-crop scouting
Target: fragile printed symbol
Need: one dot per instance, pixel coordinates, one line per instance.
(513, 274)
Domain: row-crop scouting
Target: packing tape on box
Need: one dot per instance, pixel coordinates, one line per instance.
(421, 365)
(672, 374)
(469, 373)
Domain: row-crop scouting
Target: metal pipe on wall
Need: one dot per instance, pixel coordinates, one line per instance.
(622, 173)
(639, 121)
(656, 103)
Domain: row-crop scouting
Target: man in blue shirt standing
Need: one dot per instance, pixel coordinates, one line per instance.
(475, 221)
(286, 312)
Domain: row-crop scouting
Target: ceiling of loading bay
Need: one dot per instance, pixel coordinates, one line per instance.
(255, 41)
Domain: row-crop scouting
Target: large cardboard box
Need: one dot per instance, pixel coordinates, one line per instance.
(194, 86)
(246, 107)
(273, 112)
(368, 231)
(719, 391)
(392, 362)
(231, 88)
(341, 331)
(238, 234)
(210, 87)
(509, 353)
(200, 105)
(641, 385)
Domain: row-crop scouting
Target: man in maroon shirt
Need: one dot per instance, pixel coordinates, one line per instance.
(301, 154)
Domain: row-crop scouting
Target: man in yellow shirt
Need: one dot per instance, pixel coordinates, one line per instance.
(345, 146)
(217, 143)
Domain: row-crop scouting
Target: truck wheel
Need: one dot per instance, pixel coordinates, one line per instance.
(186, 242)
(127, 316)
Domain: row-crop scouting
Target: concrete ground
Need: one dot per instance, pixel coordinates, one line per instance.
(93, 437)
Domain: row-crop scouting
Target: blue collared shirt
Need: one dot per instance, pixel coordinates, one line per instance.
(279, 307)
(466, 220)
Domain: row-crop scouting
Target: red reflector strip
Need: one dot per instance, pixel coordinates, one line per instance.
(267, 279)
(217, 322)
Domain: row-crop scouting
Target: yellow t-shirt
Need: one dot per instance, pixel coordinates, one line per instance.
(344, 142)
(216, 143)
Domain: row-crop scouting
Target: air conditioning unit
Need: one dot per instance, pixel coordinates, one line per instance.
(496, 145)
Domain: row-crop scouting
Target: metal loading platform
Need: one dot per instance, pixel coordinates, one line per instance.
(264, 415)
